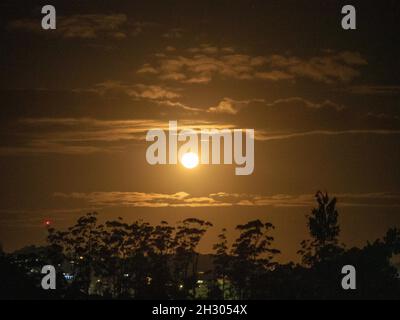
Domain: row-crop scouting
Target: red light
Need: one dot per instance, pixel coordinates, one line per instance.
(47, 223)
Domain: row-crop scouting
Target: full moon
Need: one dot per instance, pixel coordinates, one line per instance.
(190, 160)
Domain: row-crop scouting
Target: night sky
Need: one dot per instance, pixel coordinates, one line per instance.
(76, 103)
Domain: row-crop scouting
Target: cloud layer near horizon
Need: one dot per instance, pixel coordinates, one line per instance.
(224, 199)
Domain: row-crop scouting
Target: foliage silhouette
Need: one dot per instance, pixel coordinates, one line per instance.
(136, 260)
(324, 232)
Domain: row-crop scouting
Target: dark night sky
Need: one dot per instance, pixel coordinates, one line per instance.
(76, 103)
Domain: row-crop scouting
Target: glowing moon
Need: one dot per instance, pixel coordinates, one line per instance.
(190, 160)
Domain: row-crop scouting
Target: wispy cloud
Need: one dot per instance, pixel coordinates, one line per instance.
(204, 63)
(160, 95)
(97, 201)
(136, 199)
(329, 68)
(270, 136)
(296, 115)
(174, 33)
(231, 106)
(152, 92)
(77, 136)
(85, 26)
(282, 119)
(374, 89)
(224, 199)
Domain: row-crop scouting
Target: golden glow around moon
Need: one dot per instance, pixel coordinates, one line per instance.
(190, 160)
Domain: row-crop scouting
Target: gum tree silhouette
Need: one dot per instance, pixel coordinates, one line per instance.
(139, 237)
(115, 249)
(377, 278)
(80, 244)
(324, 231)
(324, 259)
(162, 244)
(322, 277)
(252, 255)
(188, 235)
(136, 260)
(221, 265)
(128, 260)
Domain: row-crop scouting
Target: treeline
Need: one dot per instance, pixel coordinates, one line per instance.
(121, 260)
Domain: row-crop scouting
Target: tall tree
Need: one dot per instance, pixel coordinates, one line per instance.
(188, 235)
(80, 245)
(221, 260)
(252, 255)
(114, 251)
(324, 231)
(162, 249)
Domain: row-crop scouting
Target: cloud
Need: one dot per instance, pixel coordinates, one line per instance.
(85, 26)
(180, 105)
(374, 90)
(174, 33)
(77, 136)
(146, 68)
(162, 96)
(296, 114)
(202, 64)
(299, 102)
(96, 201)
(269, 136)
(274, 75)
(152, 92)
(224, 199)
(201, 68)
(330, 67)
(80, 136)
(225, 106)
(231, 106)
(170, 49)
(209, 49)
(168, 97)
(282, 119)
(127, 199)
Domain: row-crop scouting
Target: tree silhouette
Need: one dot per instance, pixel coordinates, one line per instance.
(137, 260)
(252, 255)
(162, 243)
(324, 231)
(114, 249)
(81, 246)
(188, 235)
(221, 264)
(377, 277)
